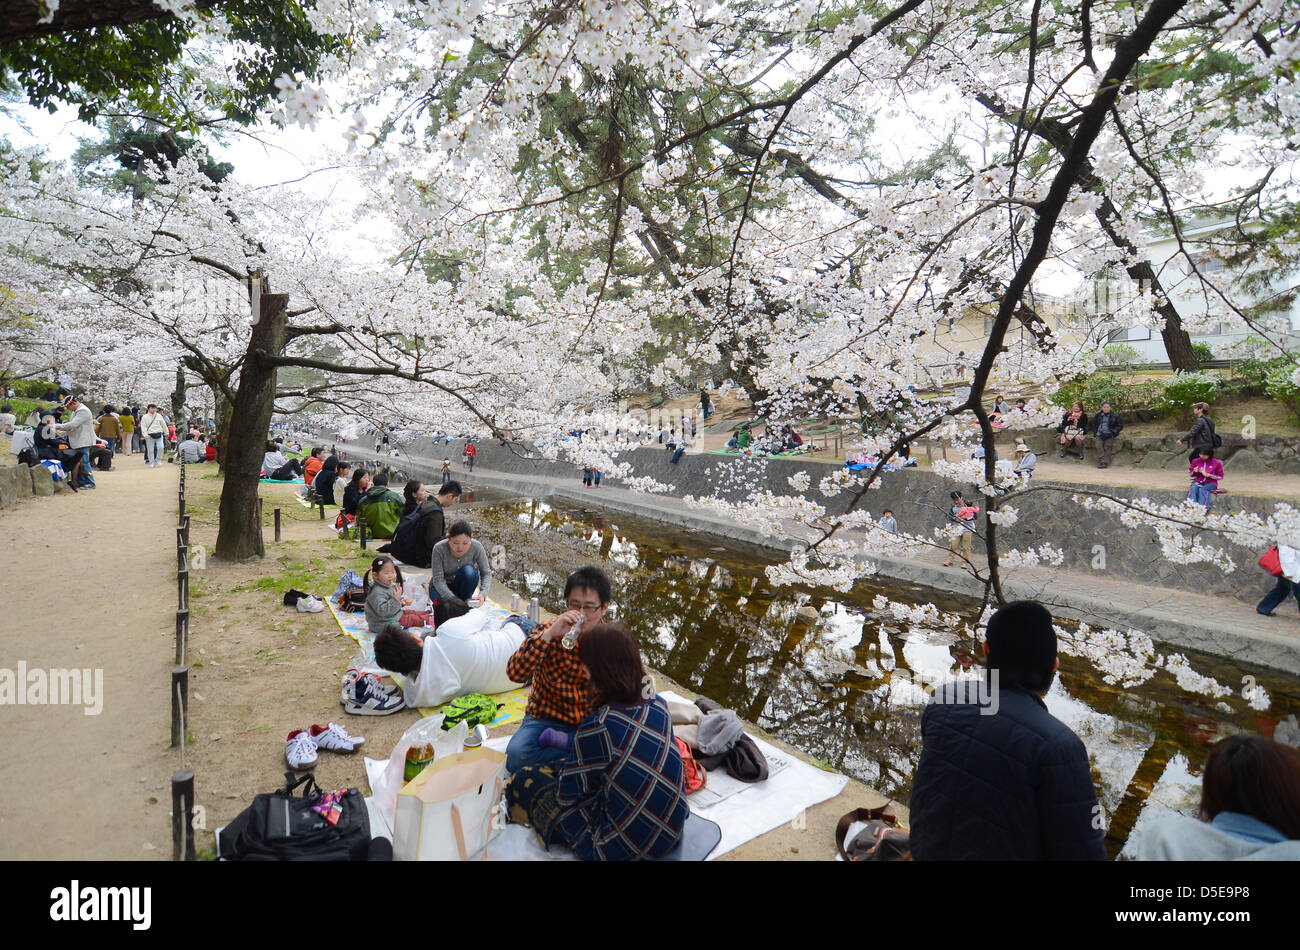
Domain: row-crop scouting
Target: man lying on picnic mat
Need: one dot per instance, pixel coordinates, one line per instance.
(467, 653)
(549, 661)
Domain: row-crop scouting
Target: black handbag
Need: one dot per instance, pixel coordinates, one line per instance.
(281, 826)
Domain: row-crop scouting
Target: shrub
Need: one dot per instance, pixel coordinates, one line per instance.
(1119, 354)
(1093, 390)
(1259, 369)
(1279, 386)
(32, 388)
(1183, 389)
(1203, 352)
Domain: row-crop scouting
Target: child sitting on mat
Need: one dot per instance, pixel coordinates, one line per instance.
(384, 602)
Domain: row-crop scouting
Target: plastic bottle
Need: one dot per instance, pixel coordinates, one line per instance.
(570, 639)
(417, 757)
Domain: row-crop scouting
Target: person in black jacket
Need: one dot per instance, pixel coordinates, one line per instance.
(333, 471)
(1201, 435)
(999, 777)
(1107, 425)
(423, 527)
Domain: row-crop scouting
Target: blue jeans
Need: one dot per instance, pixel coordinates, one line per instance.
(1278, 594)
(527, 626)
(152, 450)
(1202, 495)
(465, 582)
(524, 750)
(87, 480)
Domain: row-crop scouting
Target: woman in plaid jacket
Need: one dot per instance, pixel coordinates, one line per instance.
(621, 790)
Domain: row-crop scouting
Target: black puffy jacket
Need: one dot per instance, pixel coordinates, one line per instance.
(1012, 786)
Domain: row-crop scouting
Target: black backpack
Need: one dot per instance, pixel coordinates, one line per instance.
(405, 545)
(279, 826)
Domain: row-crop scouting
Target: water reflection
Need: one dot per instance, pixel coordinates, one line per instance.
(828, 674)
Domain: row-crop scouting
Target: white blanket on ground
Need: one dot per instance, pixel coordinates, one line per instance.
(742, 811)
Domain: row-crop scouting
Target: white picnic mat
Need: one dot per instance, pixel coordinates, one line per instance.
(742, 811)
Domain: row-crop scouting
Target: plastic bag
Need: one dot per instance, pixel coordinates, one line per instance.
(428, 730)
(415, 591)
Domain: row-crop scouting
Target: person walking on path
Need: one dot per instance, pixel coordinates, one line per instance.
(999, 777)
(963, 516)
(446, 470)
(153, 429)
(1201, 435)
(1106, 428)
(80, 432)
(1206, 472)
(471, 452)
(127, 423)
(705, 406)
(1288, 581)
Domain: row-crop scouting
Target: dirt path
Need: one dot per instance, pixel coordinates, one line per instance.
(90, 583)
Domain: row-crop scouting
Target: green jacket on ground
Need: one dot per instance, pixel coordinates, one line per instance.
(382, 509)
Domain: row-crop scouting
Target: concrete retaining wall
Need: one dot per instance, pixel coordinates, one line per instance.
(919, 501)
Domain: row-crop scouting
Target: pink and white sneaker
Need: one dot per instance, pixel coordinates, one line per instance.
(300, 750)
(334, 738)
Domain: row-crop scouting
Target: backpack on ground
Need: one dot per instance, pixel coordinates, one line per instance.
(353, 600)
(694, 777)
(280, 826)
(880, 840)
(472, 709)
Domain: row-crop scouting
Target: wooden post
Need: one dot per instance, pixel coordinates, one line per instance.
(181, 496)
(260, 520)
(185, 525)
(182, 634)
(361, 530)
(182, 590)
(182, 809)
(181, 552)
(180, 702)
(322, 511)
(277, 524)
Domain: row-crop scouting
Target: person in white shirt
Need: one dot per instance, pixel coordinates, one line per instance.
(80, 432)
(7, 419)
(275, 465)
(153, 431)
(464, 654)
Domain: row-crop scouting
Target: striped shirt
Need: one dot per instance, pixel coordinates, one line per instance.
(557, 677)
(623, 785)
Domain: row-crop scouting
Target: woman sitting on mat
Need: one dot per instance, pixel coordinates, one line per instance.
(619, 795)
(276, 466)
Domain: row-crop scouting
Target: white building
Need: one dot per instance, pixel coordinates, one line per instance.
(1207, 317)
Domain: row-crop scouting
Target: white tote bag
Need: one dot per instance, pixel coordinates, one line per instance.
(448, 812)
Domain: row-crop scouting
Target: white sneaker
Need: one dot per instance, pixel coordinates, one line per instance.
(300, 750)
(352, 675)
(367, 698)
(310, 605)
(334, 738)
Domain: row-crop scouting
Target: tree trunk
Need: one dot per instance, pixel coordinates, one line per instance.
(223, 412)
(178, 401)
(239, 535)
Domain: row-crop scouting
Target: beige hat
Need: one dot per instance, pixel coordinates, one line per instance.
(1021, 447)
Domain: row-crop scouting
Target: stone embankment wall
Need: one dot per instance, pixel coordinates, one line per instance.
(20, 481)
(1093, 541)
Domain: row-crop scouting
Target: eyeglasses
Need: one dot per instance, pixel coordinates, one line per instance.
(587, 608)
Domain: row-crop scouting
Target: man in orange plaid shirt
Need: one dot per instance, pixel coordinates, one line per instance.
(558, 701)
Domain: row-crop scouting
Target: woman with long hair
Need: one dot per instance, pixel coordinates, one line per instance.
(619, 795)
(1250, 808)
